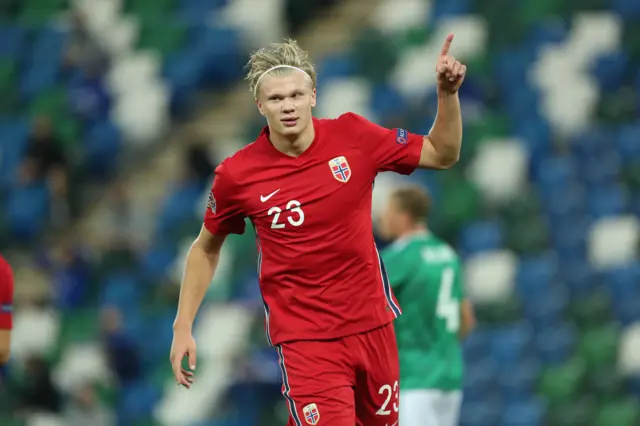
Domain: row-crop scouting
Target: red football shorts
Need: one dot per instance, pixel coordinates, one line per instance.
(343, 382)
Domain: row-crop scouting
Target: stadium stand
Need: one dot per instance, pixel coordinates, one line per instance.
(544, 205)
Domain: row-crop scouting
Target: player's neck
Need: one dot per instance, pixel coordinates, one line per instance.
(293, 145)
(414, 231)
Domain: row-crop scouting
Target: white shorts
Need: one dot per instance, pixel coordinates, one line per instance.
(429, 407)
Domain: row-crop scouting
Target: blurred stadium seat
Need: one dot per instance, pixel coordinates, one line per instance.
(544, 205)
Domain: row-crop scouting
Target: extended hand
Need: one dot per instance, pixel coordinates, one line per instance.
(450, 72)
(183, 345)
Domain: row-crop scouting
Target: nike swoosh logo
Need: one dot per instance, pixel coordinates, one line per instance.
(393, 424)
(264, 198)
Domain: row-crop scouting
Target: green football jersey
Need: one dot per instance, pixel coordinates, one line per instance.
(425, 274)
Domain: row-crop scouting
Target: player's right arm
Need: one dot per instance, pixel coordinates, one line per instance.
(6, 310)
(223, 216)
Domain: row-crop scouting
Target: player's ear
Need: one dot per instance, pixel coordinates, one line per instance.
(313, 98)
(259, 105)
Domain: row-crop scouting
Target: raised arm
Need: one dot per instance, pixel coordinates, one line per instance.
(6, 310)
(441, 147)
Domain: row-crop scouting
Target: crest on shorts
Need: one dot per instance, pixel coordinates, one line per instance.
(340, 169)
(311, 414)
(211, 203)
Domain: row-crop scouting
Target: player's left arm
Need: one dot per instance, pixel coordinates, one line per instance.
(467, 314)
(441, 147)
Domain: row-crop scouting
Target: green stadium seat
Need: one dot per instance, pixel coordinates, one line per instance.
(135, 6)
(50, 103)
(8, 69)
(374, 55)
(590, 311)
(605, 383)
(631, 39)
(624, 412)
(460, 204)
(618, 107)
(68, 131)
(528, 235)
(505, 312)
(560, 384)
(38, 13)
(413, 37)
(598, 346)
(631, 176)
(164, 38)
(576, 412)
(80, 326)
(531, 12)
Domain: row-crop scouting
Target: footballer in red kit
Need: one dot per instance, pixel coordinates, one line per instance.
(6, 309)
(306, 187)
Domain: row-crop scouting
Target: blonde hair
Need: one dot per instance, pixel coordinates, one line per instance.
(278, 59)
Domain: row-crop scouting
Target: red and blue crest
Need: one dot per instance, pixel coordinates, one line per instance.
(311, 414)
(340, 169)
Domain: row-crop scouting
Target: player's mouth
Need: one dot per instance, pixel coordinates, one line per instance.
(289, 122)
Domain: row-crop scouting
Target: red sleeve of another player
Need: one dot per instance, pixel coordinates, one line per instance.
(390, 149)
(223, 215)
(6, 296)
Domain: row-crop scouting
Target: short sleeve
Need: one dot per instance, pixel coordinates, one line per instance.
(6, 296)
(224, 215)
(394, 150)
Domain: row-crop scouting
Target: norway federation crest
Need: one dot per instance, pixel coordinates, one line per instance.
(340, 169)
(311, 414)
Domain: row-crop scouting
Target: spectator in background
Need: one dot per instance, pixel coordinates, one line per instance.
(70, 272)
(199, 162)
(85, 409)
(46, 160)
(124, 226)
(123, 353)
(90, 100)
(38, 392)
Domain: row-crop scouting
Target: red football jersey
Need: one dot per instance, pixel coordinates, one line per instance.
(320, 273)
(6, 295)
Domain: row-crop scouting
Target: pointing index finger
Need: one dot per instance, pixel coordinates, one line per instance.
(446, 45)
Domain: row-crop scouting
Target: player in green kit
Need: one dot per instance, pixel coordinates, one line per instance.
(425, 274)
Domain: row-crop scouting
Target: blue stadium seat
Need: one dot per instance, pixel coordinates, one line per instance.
(555, 345)
(387, 102)
(565, 201)
(178, 206)
(155, 263)
(36, 80)
(627, 143)
(554, 172)
(569, 238)
(627, 8)
(27, 211)
(223, 54)
(579, 277)
(102, 144)
(14, 133)
(518, 382)
(444, 8)
(535, 133)
(138, 400)
(545, 32)
(607, 201)
(480, 414)
(623, 282)
(479, 380)
(183, 73)
(536, 274)
(476, 346)
(524, 413)
(591, 143)
(481, 236)
(122, 291)
(511, 68)
(544, 309)
(197, 11)
(627, 311)
(155, 340)
(12, 41)
(521, 102)
(335, 67)
(510, 343)
(601, 169)
(609, 70)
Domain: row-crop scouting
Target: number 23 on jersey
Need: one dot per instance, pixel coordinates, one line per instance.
(292, 213)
